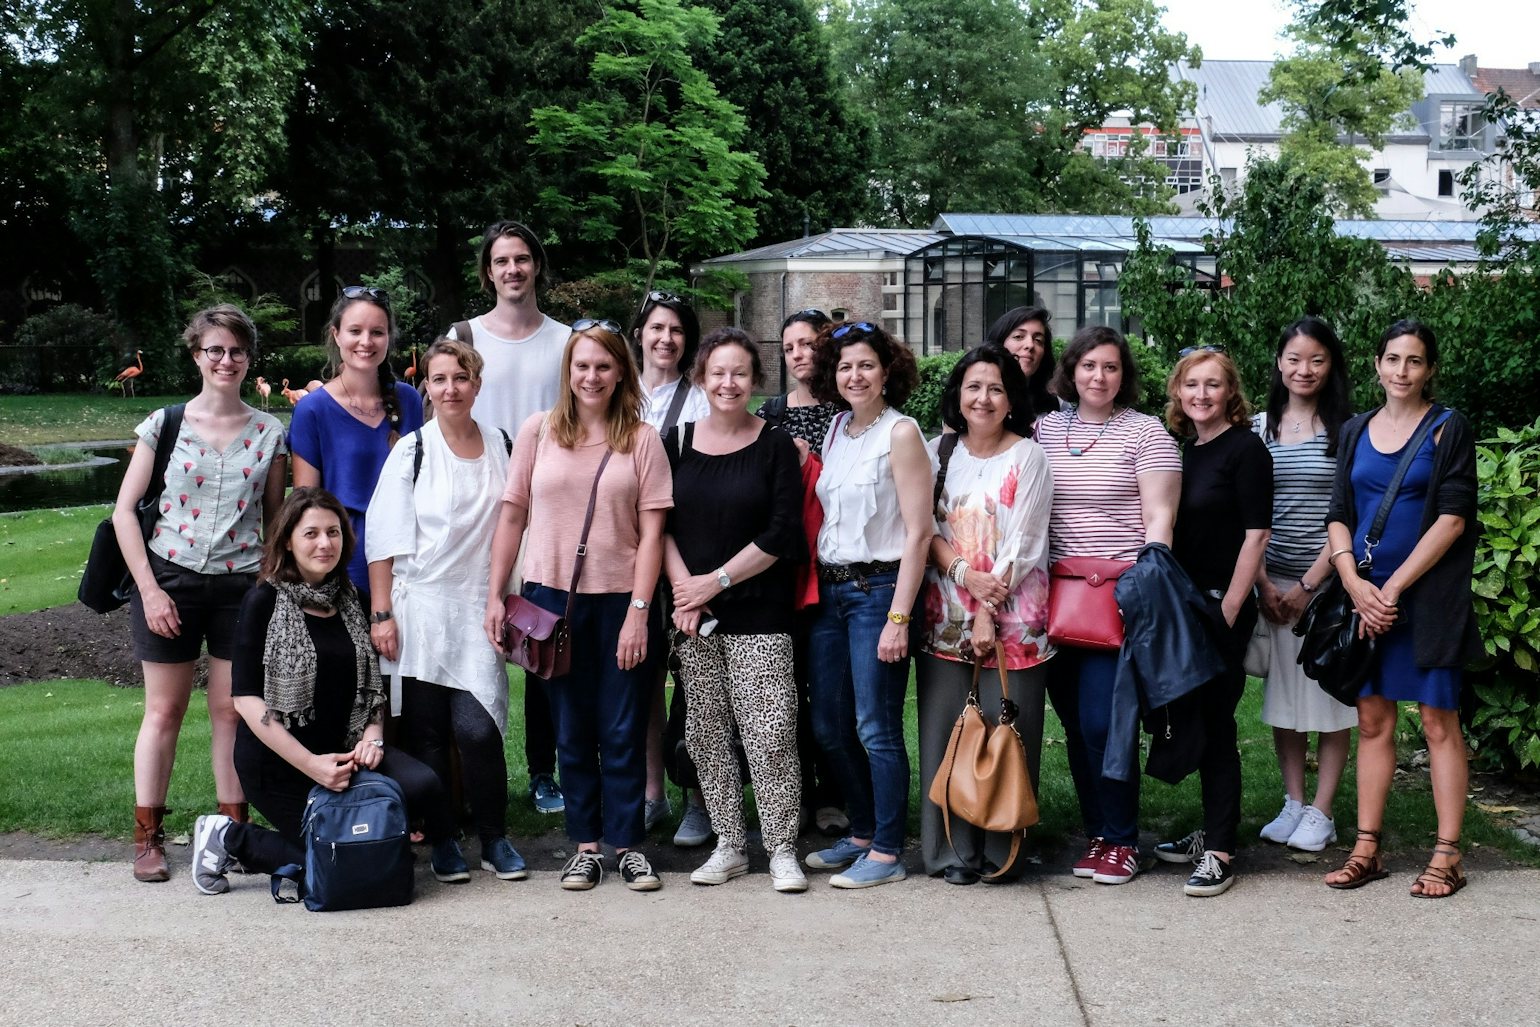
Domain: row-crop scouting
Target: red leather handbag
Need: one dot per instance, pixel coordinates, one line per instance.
(1082, 610)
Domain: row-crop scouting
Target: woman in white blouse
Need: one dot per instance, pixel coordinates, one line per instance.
(431, 521)
(876, 493)
(987, 586)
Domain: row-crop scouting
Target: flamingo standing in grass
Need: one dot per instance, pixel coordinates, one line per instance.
(292, 395)
(410, 374)
(125, 378)
(264, 390)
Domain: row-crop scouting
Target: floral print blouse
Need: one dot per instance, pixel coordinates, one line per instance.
(995, 513)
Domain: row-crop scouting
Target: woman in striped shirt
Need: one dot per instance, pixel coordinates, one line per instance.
(1117, 476)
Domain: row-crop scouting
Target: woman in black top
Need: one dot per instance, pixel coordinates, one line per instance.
(1223, 522)
(307, 686)
(734, 531)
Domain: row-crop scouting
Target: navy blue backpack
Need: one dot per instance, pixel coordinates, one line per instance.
(358, 852)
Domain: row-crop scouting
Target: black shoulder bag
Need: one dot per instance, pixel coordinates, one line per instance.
(1334, 655)
(105, 584)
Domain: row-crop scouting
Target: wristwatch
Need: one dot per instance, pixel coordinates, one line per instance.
(381, 616)
(378, 743)
(1307, 589)
(638, 604)
(899, 618)
(723, 578)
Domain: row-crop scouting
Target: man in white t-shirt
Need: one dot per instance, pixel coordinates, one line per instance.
(522, 348)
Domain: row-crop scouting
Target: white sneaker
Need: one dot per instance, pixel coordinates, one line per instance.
(1285, 822)
(724, 865)
(1315, 831)
(785, 872)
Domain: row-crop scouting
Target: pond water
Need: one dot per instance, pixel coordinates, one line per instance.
(68, 485)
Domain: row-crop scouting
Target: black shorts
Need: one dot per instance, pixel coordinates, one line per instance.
(208, 605)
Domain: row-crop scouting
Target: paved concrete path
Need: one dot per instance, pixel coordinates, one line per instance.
(82, 943)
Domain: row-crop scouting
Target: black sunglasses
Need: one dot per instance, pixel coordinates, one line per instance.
(584, 323)
(360, 292)
(1190, 350)
(659, 296)
(864, 327)
(812, 312)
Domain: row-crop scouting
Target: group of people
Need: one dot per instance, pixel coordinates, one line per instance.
(785, 568)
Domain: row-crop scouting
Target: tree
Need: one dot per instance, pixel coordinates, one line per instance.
(1353, 75)
(774, 61)
(659, 143)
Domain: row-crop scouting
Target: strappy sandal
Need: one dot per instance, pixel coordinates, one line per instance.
(1451, 877)
(1361, 869)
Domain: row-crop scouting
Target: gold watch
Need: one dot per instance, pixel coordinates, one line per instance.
(899, 618)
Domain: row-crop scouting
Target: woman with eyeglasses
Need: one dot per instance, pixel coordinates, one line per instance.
(734, 535)
(664, 339)
(1223, 522)
(1117, 476)
(592, 451)
(1023, 332)
(342, 432)
(223, 483)
(876, 494)
(807, 419)
(433, 513)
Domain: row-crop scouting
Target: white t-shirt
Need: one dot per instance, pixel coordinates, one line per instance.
(521, 375)
(655, 403)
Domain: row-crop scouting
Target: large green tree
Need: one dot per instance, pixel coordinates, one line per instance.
(773, 60)
(668, 172)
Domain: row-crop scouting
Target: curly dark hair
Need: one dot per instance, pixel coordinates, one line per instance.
(1017, 391)
(898, 363)
(719, 337)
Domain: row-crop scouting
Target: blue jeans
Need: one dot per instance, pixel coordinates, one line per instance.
(858, 708)
(600, 715)
(1080, 684)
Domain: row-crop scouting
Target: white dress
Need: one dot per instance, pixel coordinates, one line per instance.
(439, 534)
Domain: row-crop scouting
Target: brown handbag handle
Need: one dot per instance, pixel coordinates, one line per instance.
(1007, 721)
(588, 521)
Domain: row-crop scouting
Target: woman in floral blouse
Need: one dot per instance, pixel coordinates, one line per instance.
(987, 584)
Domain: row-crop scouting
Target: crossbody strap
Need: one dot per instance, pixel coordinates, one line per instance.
(676, 405)
(588, 521)
(1382, 515)
(944, 454)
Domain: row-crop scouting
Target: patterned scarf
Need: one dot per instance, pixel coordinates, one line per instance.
(290, 659)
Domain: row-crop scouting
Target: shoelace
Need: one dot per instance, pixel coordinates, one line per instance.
(635, 863)
(1208, 867)
(586, 862)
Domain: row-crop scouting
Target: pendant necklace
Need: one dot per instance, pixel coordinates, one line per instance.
(1082, 451)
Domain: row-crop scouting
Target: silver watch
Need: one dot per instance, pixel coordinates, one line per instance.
(723, 578)
(638, 604)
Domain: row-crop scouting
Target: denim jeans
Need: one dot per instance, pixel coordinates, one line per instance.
(600, 715)
(858, 708)
(1080, 685)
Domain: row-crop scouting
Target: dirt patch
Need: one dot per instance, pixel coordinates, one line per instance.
(10, 456)
(67, 642)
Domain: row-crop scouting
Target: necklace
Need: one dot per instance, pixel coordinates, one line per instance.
(1079, 450)
(857, 434)
(373, 407)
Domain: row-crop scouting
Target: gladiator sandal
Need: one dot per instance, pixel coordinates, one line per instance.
(1360, 870)
(1451, 877)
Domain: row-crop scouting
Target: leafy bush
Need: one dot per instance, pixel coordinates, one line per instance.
(925, 402)
(68, 347)
(1504, 727)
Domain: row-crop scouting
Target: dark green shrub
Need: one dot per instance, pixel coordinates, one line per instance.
(1504, 726)
(924, 403)
(66, 348)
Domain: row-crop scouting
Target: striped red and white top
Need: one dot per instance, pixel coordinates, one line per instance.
(1096, 471)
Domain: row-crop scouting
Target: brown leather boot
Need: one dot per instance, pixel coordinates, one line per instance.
(236, 811)
(150, 844)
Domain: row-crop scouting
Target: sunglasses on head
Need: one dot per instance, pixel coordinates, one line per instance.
(1190, 350)
(585, 323)
(659, 296)
(812, 312)
(361, 292)
(864, 327)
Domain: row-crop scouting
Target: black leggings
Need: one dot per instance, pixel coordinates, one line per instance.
(280, 794)
(436, 717)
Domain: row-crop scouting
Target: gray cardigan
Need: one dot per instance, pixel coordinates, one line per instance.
(1438, 606)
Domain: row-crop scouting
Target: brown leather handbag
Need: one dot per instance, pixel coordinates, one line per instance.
(983, 778)
(1082, 608)
(535, 638)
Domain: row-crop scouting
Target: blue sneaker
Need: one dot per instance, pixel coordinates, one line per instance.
(868, 873)
(448, 863)
(546, 794)
(502, 859)
(841, 854)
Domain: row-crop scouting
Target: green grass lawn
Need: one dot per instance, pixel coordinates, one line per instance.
(28, 421)
(42, 553)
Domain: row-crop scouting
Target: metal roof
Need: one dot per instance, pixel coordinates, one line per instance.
(844, 242)
(1114, 229)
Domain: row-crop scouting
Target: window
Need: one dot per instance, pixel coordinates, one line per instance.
(1459, 126)
(1446, 183)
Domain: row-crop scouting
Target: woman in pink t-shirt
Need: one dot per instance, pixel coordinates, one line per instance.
(593, 442)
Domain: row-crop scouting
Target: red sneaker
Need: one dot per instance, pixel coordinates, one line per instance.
(1087, 864)
(1119, 865)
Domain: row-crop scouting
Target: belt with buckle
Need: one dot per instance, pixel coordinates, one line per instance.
(836, 573)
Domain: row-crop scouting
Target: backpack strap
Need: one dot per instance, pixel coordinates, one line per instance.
(944, 454)
(774, 409)
(507, 442)
(463, 333)
(676, 405)
(417, 456)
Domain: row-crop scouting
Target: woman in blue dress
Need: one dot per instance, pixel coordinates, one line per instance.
(342, 432)
(1415, 599)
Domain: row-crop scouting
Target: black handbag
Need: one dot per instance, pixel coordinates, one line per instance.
(105, 584)
(1335, 655)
